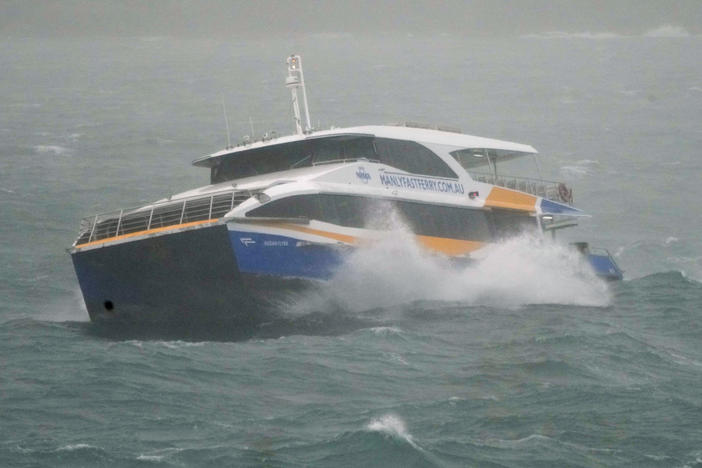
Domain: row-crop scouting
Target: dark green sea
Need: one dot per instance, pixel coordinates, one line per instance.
(521, 361)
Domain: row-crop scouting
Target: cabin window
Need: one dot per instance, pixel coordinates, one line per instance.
(300, 206)
(344, 210)
(358, 212)
(262, 161)
(487, 159)
(343, 147)
(446, 221)
(508, 223)
(407, 156)
(326, 150)
(357, 148)
(412, 157)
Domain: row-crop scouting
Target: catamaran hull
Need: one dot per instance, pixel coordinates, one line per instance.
(214, 274)
(605, 267)
(185, 279)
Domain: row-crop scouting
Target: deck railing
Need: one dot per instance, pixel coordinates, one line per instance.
(162, 214)
(551, 190)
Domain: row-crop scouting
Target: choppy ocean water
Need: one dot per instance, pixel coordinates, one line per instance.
(522, 361)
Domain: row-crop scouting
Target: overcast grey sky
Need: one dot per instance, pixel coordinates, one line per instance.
(275, 17)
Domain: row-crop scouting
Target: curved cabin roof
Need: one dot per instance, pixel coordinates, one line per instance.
(426, 136)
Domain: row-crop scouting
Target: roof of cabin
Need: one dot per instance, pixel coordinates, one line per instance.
(420, 135)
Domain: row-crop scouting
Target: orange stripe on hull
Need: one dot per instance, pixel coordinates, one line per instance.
(511, 199)
(446, 246)
(450, 247)
(331, 235)
(148, 231)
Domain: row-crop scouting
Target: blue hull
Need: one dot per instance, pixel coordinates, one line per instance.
(267, 254)
(181, 278)
(605, 267)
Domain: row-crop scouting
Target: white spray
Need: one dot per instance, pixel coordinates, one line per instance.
(394, 269)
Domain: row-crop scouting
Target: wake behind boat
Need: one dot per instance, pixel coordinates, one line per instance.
(284, 212)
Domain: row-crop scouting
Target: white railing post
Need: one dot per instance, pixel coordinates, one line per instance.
(119, 222)
(209, 215)
(151, 215)
(182, 212)
(92, 229)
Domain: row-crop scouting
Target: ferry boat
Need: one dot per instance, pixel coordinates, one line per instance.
(283, 212)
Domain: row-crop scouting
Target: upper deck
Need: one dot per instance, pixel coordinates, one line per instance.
(436, 137)
(413, 148)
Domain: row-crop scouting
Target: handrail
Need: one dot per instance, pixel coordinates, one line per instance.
(549, 189)
(161, 214)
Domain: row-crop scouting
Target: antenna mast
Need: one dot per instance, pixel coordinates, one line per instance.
(295, 80)
(226, 122)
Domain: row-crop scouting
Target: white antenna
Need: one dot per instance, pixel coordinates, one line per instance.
(226, 122)
(294, 80)
(253, 134)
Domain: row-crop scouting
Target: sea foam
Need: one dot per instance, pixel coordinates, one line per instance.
(523, 270)
(391, 425)
(393, 269)
(668, 30)
(68, 308)
(573, 35)
(580, 169)
(51, 149)
(73, 447)
(663, 31)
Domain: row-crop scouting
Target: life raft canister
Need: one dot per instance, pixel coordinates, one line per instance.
(565, 193)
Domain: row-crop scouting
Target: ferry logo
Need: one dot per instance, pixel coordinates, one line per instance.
(275, 243)
(363, 175)
(247, 241)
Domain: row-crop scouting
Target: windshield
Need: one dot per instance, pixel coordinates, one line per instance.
(471, 158)
(405, 155)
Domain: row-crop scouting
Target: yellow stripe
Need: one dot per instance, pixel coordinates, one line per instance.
(149, 231)
(511, 199)
(446, 246)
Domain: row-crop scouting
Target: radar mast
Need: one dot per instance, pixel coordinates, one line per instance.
(295, 80)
